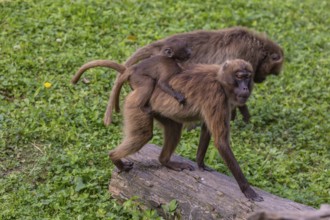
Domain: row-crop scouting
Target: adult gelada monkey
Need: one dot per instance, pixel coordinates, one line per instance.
(229, 85)
(159, 68)
(214, 47)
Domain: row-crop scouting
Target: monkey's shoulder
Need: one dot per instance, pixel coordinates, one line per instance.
(198, 75)
(202, 68)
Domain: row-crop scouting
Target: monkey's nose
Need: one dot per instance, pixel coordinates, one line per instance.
(189, 52)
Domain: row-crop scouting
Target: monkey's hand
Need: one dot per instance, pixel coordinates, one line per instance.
(181, 99)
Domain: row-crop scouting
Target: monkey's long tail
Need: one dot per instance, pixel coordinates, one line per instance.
(97, 63)
(104, 63)
(114, 97)
(140, 54)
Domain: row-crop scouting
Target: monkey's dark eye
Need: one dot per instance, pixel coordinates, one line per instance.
(239, 75)
(243, 75)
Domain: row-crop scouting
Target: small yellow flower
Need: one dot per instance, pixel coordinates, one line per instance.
(47, 85)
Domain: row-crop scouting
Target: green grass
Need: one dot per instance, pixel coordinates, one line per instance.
(53, 145)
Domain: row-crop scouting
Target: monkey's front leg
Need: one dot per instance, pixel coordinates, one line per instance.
(233, 114)
(172, 134)
(245, 112)
(229, 158)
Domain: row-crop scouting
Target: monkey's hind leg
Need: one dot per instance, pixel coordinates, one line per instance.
(138, 128)
(144, 87)
(172, 134)
(204, 142)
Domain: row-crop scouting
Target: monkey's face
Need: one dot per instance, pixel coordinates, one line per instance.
(242, 91)
(237, 78)
(272, 64)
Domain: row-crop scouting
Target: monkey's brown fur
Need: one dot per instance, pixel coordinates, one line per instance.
(215, 47)
(228, 85)
(159, 69)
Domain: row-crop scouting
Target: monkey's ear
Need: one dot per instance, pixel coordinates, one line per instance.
(276, 57)
(225, 65)
(168, 52)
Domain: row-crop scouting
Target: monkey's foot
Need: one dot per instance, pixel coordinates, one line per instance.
(252, 195)
(123, 166)
(177, 166)
(203, 167)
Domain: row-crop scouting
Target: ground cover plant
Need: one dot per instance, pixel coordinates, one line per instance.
(53, 144)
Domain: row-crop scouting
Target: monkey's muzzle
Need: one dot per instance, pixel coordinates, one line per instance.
(242, 98)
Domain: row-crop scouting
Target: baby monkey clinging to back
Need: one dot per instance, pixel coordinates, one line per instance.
(156, 69)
